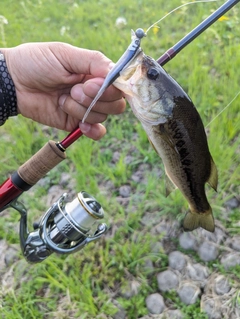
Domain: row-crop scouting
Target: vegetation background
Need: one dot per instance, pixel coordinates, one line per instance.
(81, 285)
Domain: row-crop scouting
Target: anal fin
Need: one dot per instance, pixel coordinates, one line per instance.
(170, 186)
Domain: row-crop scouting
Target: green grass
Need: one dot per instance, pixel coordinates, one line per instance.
(208, 71)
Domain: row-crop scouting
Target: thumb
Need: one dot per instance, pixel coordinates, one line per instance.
(93, 131)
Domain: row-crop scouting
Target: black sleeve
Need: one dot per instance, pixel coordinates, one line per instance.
(8, 100)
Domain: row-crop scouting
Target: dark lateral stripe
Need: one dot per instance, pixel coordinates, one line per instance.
(19, 182)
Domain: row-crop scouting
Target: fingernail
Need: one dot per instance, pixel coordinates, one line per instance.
(62, 99)
(84, 127)
(77, 94)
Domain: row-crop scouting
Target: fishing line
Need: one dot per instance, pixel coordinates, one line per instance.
(128, 55)
(183, 5)
(223, 109)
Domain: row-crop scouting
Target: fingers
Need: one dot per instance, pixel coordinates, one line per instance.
(77, 110)
(94, 131)
(81, 96)
(91, 88)
(81, 61)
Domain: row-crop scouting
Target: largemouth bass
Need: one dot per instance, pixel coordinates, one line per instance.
(176, 131)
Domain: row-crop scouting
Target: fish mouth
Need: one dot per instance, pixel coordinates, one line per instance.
(127, 72)
(130, 82)
(135, 69)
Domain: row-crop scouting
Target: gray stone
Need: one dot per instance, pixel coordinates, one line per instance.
(167, 228)
(3, 249)
(235, 243)
(167, 280)
(207, 251)
(8, 281)
(167, 314)
(211, 309)
(157, 247)
(155, 303)
(222, 285)
(230, 260)
(177, 260)
(188, 241)
(116, 157)
(128, 159)
(120, 314)
(188, 293)
(109, 185)
(11, 255)
(137, 176)
(232, 203)
(174, 314)
(217, 237)
(198, 272)
(130, 289)
(125, 191)
(65, 179)
(148, 266)
(150, 219)
(124, 201)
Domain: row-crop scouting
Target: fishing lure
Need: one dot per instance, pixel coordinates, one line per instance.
(133, 49)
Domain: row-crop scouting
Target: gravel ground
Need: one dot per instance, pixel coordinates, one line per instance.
(192, 281)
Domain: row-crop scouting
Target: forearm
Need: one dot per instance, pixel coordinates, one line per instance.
(8, 101)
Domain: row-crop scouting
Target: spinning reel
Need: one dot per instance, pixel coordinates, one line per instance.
(65, 228)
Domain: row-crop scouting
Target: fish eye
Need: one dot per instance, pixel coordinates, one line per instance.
(152, 74)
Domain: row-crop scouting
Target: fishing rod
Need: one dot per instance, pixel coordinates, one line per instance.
(67, 226)
(172, 52)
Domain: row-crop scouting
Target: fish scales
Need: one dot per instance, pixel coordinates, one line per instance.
(182, 159)
(175, 129)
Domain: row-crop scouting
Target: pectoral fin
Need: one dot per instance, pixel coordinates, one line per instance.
(164, 136)
(213, 179)
(167, 138)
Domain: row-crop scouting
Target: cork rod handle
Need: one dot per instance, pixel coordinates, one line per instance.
(41, 163)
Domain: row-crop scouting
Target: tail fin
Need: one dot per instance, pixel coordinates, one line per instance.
(195, 220)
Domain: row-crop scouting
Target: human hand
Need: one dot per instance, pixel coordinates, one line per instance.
(55, 83)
